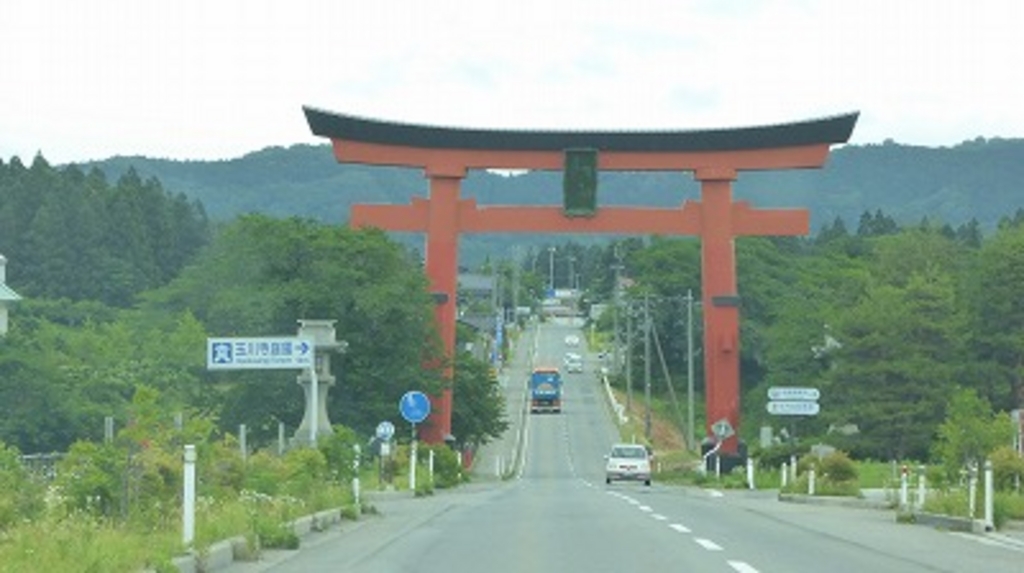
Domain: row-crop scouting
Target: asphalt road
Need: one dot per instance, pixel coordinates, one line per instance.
(558, 515)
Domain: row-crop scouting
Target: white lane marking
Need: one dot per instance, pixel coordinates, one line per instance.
(658, 516)
(715, 493)
(707, 544)
(630, 500)
(993, 540)
(645, 508)
(679, 527)
(742, 567)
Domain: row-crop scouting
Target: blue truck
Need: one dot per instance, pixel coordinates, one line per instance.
(545, 390)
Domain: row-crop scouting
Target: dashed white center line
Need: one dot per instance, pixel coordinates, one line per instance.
(679, 527)
(645, 508)
(707, 544)
(658, 516)
(742, 567)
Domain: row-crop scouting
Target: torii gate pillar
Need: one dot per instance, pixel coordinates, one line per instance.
(442, 269)
(720, 303)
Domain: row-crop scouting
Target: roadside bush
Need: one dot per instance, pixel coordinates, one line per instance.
(1007, 468)
(447, 472)
(90, 478)
(837, 467)
(775, 456)
(21, 496)
(339, 453)
(305, 469)
(264, 473)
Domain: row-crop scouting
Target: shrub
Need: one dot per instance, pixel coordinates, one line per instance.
(264, 473)
(21, 496)
(837, 467)
(775, 456)
(447, 472)
(90, 477)
(1007, 468)
(304, 470)
(339, 453)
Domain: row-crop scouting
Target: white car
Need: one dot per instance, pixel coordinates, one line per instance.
(628, 462)
(573, 363)
(572, 340)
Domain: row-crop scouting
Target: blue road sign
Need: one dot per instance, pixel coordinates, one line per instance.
(414, 406)
(259, 353)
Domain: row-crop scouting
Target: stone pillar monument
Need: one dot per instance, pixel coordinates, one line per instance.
(323, 335)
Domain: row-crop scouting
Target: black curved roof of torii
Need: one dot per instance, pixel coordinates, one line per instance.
(831, 130)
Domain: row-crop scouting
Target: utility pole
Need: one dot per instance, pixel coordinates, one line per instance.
(551, 270)
(689, 369)
(647, 366)
(515, 282)
(616, 293)
(629, 358)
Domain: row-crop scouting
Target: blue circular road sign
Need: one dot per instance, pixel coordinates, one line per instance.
(414, 406)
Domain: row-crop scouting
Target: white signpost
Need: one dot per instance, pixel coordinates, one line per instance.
(793, 408)
(259, 353)
(793, 393)
(793, 401)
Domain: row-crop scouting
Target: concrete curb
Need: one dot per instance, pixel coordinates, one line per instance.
(948, 522)
(835, 501)
(223, 554)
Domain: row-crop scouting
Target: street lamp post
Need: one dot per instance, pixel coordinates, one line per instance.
(551, 269)
(689, 368)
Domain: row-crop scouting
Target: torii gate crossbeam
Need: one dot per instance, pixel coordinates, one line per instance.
(714, 156)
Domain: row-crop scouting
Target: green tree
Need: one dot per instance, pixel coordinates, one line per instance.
(970, 432)
(900, 353)
(261, 275)
(997, 318)
(478, 410)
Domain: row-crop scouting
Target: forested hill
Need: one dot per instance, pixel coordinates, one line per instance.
(980, 179)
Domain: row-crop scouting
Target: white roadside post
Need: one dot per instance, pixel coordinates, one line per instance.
(188, 501)
(989, 498)
(785, 474)
(355, 479)
(904, 493)
(922, 488)
(243, 448)
(750, 473)
(430, 464)
(412, 461)
(972, 486)
(810, 481)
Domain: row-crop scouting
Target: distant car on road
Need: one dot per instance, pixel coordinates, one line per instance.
(572, 340)
(573, 363)
(628, 462)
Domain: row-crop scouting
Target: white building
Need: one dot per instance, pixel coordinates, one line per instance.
(7, 295)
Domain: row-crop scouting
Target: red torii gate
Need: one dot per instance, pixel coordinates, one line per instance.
(714, 156)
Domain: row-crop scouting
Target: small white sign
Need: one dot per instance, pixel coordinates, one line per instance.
(722, 429)
(259, 353)
(385, 430)
(785, 393)
(794, 408)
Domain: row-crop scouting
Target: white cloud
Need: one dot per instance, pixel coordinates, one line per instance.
(197, 79)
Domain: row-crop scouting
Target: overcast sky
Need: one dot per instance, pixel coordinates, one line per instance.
(216, 79)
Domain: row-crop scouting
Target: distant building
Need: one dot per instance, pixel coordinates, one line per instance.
(7, 295)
